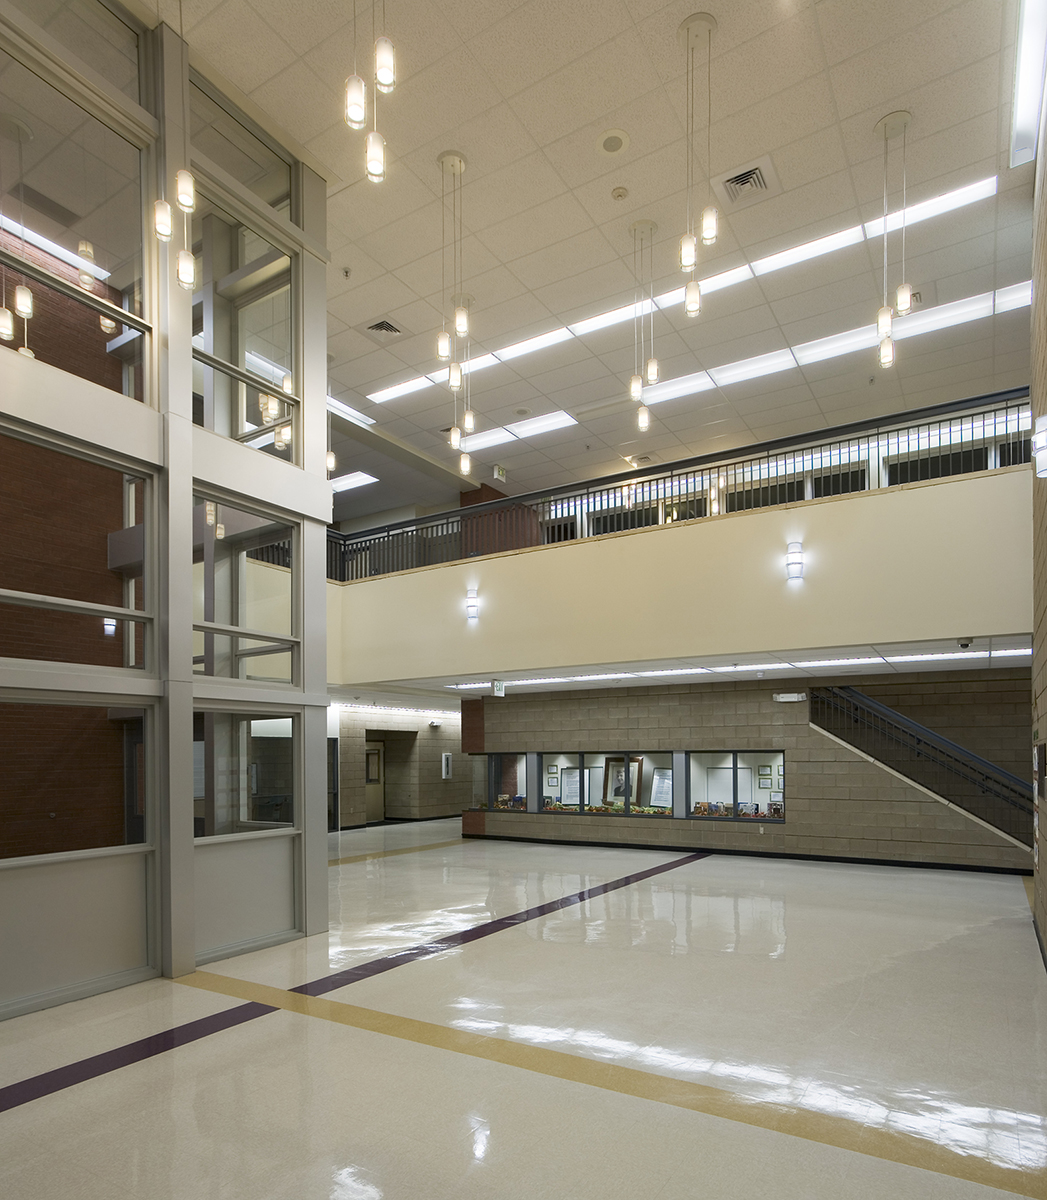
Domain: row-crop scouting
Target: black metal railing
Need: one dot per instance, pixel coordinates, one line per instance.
(981, 433)
(945, 768)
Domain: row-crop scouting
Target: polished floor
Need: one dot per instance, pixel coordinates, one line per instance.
(644, 1025)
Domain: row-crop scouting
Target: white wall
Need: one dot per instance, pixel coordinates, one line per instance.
(924, 561)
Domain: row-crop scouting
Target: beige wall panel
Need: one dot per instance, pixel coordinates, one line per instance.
(924, 561)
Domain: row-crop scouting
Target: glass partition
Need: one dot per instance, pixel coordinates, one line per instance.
(761, 785)
(243, 773)
(737, 785)
(243, 579)
(507, 781)
(561, 777)
(51, 804)
(654, 793)
(711, 784)
(70, 235)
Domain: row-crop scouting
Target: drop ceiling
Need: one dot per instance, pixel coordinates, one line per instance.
(527, 91)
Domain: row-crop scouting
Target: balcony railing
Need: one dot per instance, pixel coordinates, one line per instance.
(977, 434)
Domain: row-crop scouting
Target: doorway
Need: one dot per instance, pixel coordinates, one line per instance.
(374, 781)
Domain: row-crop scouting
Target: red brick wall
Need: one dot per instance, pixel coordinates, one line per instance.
(63, 333)
(56, 512)
(62, 781)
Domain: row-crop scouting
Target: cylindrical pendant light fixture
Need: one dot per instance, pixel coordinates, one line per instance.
(688, 252)
(461, 321)
(887, 352)
(332, 462)
(375, 156)
(454, 377)
(384, 65)
(163, 226)
(185, 191)
(465, 464)
(210, 513)
(884, 321)
(468, 420)
(355, 102)
(23, 301)
(7, 325)
(692, 298)
(87, 252)
(904, 299)
(108, 325)
(186, 270)
(636, 387)
(287, 383)
(443, 345)
(455, 437)
(643, 418)
(652, 371)
(709, 223)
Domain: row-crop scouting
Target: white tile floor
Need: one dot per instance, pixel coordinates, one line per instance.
(899, 1001)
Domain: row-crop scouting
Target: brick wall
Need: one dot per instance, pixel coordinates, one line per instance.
(414, 787)
(56, 512)
(63, 779)
(837, 803)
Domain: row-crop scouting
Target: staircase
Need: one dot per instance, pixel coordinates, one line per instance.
(947, 770)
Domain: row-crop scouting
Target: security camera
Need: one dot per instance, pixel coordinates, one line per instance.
(964, 643)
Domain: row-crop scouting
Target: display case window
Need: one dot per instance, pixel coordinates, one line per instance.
(742, 785)
(561, 782)
(507, 782)
(653, 794)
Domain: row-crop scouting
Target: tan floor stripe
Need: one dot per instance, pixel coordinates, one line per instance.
(339, 862)
(816, 1127)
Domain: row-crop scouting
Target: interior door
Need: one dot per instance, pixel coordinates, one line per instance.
(374, 781)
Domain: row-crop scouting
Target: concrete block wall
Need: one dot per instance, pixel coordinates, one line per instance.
(838, 804)
(414, 787)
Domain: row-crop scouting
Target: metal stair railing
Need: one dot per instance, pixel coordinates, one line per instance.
(942, 766)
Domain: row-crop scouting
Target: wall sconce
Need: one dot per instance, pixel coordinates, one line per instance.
(794, 561)
(1039, 447)
(472, 605)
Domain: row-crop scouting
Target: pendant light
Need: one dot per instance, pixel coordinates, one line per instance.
(163, 221)
(465, 464)
(374, 155)
(7, 325)
(355, 91)
(185, 191)
(468, 420)
(384, 64)
(443, 345)
(461, 321)
(903, 297)
(23, 295)
(643, 418)
(23, 302)
(890, 127)
(332, 461)
(695, 34)
(455, 438)
(86, 252)
(107, 324)
(287, 383)
(644, 359)
(452, 345)
(186, 270)
(454, 377)
(7, 317)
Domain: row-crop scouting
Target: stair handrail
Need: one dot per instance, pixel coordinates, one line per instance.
(946, 745)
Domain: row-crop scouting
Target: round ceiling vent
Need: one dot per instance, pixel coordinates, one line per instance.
(612, 142)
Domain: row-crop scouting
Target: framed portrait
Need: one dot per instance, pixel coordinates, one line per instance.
(614, 779)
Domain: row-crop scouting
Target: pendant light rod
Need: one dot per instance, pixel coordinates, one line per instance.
(891, 126)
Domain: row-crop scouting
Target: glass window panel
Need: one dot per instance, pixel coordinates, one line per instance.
(604, 780)
(712, 784)
(508, 781)
(244, 773)
(761, 785)
(561, 778)
(93, 33)
(66, 179)
(228, 142)
(654, 778)
(74, 778)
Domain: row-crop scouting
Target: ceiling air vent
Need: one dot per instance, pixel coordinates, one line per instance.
(754, 182)
(382, 330)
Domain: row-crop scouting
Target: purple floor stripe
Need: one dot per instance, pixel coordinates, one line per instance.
(331, 983)
(123, 1056)
(16, 1094)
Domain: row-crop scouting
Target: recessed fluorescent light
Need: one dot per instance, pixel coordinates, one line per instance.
(424, 712)
(478, 364)
(839, 662)
(943, 316)
(545, 424)
(591, 678)
(934, 207)
(753, 368)
(540, 342)
(52, 248)
(840, 343)
(1018, 295)
(668, 299)
(1024, 652)
(904, 658)
(354, 480)
(1028, 81)
(725, 279)
(778, 666)
(674, 671)
(350, 414)
(486, 438)
(401, 389)
(686, 385)
(465, 687)
(798, 254)
(614, 317)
